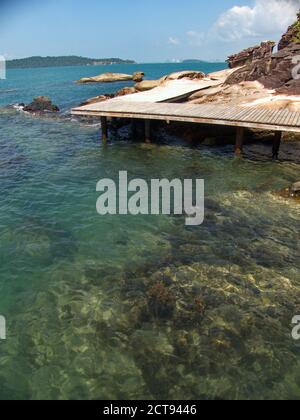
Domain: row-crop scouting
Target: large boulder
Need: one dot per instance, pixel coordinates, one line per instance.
(251, 64)
(126, 91)
(41, 104)
(236, 94)
(189, 74)
(146, 85)
(138, 76)
(151, 84)
(97, 99)
(285, 73)
(113, 77)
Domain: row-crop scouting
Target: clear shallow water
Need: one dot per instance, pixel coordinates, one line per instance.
(80, 292)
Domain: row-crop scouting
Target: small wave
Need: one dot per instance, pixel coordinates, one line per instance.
(62, 116)
(8, 109)
(19, 107)
(8, 90)
(84, 122)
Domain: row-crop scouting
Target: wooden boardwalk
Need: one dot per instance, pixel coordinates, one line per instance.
(157, 105)
(227, 115)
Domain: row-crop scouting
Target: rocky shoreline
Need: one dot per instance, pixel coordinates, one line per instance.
(256, 76)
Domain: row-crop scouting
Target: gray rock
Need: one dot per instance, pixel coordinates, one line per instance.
(41, 104)
(295, 189)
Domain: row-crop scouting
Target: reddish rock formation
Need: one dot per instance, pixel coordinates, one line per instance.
(277, 71)
(291, 35)
(263, 51)
(41, 104)
(256, 63)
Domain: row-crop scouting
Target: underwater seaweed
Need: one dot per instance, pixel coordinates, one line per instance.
(161, 301)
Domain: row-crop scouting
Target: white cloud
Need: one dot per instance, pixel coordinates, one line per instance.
(265, 19)
(196, 38)
(173, 41)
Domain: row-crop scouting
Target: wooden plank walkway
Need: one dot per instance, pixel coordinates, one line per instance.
(171, 91)
(215, 114)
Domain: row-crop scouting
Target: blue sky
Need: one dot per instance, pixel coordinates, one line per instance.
(152, 31)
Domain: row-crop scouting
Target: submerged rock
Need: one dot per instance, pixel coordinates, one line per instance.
(209, 141)
(161, 301)
(292, 192)
(41, 104)
(295, 189)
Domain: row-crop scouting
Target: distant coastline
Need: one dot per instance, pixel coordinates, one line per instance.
(63, 61)
(197, 61)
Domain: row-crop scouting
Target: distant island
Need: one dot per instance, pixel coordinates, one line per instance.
(196, 61)
(193, 60)
(64, 61)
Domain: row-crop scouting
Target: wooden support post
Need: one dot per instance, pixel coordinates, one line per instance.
(239, 141)
(134, 130)
(147, 131)
(277, 144)
(104, 129)
(113, 124)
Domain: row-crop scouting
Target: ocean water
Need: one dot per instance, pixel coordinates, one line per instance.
(140, 307)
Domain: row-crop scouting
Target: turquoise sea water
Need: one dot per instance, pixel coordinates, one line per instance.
(140, 307)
